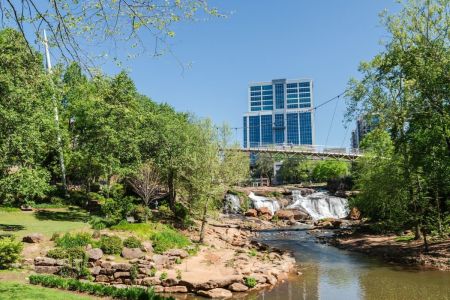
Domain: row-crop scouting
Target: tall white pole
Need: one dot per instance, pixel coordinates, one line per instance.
(56, 115)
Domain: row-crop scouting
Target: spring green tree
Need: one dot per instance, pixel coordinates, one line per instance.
(406, 88)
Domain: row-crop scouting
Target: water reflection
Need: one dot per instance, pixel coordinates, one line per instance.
(330, 273)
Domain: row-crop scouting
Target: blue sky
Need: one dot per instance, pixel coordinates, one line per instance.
(262, 40)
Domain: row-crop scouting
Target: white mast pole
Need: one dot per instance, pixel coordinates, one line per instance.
(56, 115)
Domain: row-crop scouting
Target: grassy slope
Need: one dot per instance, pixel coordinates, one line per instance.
(46, 222)
(14, 290)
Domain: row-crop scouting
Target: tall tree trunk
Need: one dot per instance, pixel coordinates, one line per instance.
(440, 231)
(204, 222)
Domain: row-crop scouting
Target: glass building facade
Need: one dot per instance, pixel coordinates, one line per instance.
(279, 112)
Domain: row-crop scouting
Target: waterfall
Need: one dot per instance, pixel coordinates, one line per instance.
(320, 205)
(232, 204)
(259, 201)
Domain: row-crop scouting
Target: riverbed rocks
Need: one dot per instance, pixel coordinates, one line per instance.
(238, 287)
(94, 254)
(251, 213)
(217, 293)
(131, 253)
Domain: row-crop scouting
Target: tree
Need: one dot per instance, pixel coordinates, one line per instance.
(146, 182)
(294, 170)
(119, 24)
(213, 167)
(27, 131)
(329, 169)
(264, 166)
(406, 88)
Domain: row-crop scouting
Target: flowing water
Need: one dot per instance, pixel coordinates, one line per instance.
(260, 201)
(320, 205)
(232, 204)
(331, 273)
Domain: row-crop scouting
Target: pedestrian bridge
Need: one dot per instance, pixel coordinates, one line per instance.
(307, 151)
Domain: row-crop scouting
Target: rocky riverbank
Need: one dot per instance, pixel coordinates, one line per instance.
(391, 249)
(227, 265)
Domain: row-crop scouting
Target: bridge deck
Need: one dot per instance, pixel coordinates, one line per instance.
(309, 152)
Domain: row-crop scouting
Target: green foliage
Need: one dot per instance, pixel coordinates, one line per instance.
(71, 284)
(10, 251)
(141, 229)
(253, 252)
(110, 244)
(132, 242)
(404, 238)
(264, 166)
(57, 253)
(141, 213)
(178, 261)
(118, 209)
(134, 271)
(405, 89)
(24, 185)
(69, 240)
(329, 169)
(294, 170)
(250, 282)
(152, 271)
(163, 276)
(179, 275)
(167, 238)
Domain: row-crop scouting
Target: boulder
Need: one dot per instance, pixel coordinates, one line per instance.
(161, 260)
(355, 214)
(217, 293)
(96, 270)
(147, 247)
(175, 289)
(33, 238)
(131, 253)
(151, 281)
(251, 213)
(169, 282)
(101, 278)
(158, 288)
(300, 215)
(121, 274)
(237, 287)
(94, 254)
(177, 252)
(44, 261)
(264, 211)
(121, 267)
(284, 214)
(47, 269)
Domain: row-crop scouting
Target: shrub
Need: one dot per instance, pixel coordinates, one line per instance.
(252, 252)
(141, 213)
(129, 293)
(168, 238)
(250, 282)
(98, 223)
(152, 271)
(24, 185)
(74, 240)
(76, 253)
(178, 261)
(110, 244)
(132, 242)
(163, 276)
(179, 275)
(57, 253)
(10, 251)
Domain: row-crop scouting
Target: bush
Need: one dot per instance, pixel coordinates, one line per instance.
(168, 238)
(76, 253)
(129, 293)
(118, 209)
(141, 213)
(110, 244)
(250, 282)
(57, 253)
(163, 276)
(26, 184)
(10, 251)
(74, 240)
(132, 242)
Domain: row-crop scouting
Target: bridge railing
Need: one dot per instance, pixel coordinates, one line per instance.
(307, 149)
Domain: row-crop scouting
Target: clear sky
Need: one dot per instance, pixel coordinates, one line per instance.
(262, 40)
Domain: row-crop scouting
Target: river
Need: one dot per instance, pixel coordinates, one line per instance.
(331, 273)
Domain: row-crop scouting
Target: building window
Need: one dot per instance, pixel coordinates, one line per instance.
(279, 128)
(292, 128)
(254, 131)
(266, 130)
(245, 132)
(279, 96)
(305, 128)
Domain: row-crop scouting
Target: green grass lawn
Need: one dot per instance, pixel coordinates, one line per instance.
(46, 222)
(23, 291)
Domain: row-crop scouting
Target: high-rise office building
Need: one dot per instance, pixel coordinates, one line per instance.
(364, 125)
(279, 113)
